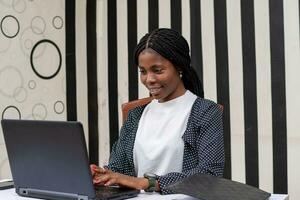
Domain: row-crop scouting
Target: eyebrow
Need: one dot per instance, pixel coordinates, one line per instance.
(153, 66)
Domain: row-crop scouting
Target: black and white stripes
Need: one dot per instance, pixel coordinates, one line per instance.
(250, 98)
(278, 95)
(248, 56)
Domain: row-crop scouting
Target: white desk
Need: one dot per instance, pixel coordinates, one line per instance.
(10, 194)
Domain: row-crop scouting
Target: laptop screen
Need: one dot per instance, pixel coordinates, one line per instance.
(48, 156)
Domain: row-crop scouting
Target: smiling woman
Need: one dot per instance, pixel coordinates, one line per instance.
(160, 76)
(177, 134)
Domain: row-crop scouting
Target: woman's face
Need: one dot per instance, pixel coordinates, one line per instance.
(160, 76)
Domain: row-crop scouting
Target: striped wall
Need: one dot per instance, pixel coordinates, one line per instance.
(248, 56)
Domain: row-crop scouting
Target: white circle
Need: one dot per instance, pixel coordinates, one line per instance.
(20, 94)
(19, 5)
(10, 79)
(5, 42)
(31, 84)
(28, 44)
(39, 111)
(38, 25)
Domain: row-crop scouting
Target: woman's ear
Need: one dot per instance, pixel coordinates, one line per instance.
(180, 74)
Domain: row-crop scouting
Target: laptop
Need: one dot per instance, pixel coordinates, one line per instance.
(49, 160)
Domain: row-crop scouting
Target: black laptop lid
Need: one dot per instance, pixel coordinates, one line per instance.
(48, 156)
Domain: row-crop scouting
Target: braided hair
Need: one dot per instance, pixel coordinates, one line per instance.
(172, 46)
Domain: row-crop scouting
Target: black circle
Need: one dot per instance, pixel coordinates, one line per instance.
(63, 107)
(62, 22)
(2, 27)
(11, 107)
(31, 59)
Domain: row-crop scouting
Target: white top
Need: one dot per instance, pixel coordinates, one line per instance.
(158, 146)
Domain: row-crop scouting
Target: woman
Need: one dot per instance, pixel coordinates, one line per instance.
(177, 134)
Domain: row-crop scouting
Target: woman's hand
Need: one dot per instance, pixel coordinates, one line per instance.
(107, 177)
(97, 170)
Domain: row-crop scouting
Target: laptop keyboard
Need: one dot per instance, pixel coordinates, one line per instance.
(113, 192)
(106, 191)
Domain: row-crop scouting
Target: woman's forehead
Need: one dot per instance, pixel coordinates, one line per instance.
(151, 54)
(149, 50)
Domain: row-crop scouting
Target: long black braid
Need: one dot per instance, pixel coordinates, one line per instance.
(172, 46)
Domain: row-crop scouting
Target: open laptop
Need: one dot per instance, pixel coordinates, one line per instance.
(49, 160)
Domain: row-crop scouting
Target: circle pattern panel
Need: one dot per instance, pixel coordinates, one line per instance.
(32, 54)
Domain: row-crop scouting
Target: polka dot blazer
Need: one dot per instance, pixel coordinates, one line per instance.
(203, 144)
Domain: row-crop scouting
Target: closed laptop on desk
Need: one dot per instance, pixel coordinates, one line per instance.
(49, 160)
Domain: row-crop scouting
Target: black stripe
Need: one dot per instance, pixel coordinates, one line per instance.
(176, 22)
(92, 80)
(222, 76)
(71, 61)
(153, 14)
(112, 71)
(132, 41)
(196, 37)
(278, 97)
(250, 100)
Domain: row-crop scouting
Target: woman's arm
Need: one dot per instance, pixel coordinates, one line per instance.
(121, 157)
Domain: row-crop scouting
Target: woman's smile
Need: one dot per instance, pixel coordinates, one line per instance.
(160, 76)
(154, 91)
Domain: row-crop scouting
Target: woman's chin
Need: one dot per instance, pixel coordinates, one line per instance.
(157, 97)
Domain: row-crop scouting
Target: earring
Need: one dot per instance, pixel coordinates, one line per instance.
(180, 74)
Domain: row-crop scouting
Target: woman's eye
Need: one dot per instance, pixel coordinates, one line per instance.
(158, 71)
(142, 71)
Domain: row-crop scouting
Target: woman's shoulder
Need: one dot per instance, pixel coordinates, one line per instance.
(204, 108)
(135, 113)
(202, 104)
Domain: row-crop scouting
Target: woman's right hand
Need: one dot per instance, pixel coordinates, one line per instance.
(97, 172)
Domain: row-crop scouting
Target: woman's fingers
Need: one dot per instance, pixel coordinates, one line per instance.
(110, 178)
(102, 179)
(97, 180)
(97, 170)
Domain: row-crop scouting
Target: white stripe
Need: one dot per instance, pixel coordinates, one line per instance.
(235, 66)
(102, 63)
(122, 47)
(292, 62)
(186, 20)
(264, 102)
(81, 69)
(164, 13)
(208, 49)
(4, 164)
(142, 29)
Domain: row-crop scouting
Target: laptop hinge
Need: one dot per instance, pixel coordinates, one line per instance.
(45, 194)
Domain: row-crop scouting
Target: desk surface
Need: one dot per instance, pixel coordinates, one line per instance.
(10, 194)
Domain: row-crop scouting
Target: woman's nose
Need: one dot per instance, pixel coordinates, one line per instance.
(150, 78)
